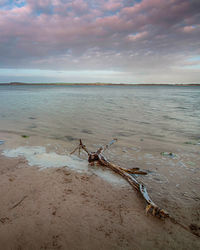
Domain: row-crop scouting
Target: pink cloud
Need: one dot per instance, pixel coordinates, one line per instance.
(82, 19)
(112, 5)
(138, 36)
(160, 12)
(188, 29)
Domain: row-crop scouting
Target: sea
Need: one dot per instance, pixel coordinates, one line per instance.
(100, 113)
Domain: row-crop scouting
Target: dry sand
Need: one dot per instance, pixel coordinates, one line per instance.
(58, 208)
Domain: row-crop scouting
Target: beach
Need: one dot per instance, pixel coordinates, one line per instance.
(63, 208)
(99, 125)
(53, 200)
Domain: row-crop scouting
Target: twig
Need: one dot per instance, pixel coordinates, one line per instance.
(103, 148)
(19, 202)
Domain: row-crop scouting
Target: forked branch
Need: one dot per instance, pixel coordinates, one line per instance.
(129, 176)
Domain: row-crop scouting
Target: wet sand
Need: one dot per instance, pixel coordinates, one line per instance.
(58, 208)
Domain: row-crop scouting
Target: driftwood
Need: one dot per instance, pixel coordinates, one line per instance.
(129, 175)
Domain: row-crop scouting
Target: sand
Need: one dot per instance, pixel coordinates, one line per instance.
(59, 208)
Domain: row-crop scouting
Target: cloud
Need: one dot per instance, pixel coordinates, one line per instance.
(112, 5)
(189, 29)
(126, 36)
(138, 36)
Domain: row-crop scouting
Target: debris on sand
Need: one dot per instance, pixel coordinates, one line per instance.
(25, 136)
(2, 142)
(172, 155)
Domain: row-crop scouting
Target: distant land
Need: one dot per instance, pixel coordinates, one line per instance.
(103, 84)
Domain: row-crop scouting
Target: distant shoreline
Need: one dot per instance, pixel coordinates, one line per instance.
(95, 84)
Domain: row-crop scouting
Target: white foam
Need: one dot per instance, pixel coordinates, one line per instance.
(37, 156)
(108, 176)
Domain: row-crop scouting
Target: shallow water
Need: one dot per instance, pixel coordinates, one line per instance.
(71, 112)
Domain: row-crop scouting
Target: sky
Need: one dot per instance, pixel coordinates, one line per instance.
(114, 41)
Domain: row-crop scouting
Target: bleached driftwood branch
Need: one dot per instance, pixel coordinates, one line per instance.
(128, 174)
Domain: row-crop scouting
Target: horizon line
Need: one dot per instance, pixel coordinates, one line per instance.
(101, 84)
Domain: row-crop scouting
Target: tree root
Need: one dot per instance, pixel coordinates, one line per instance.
(129, 176)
